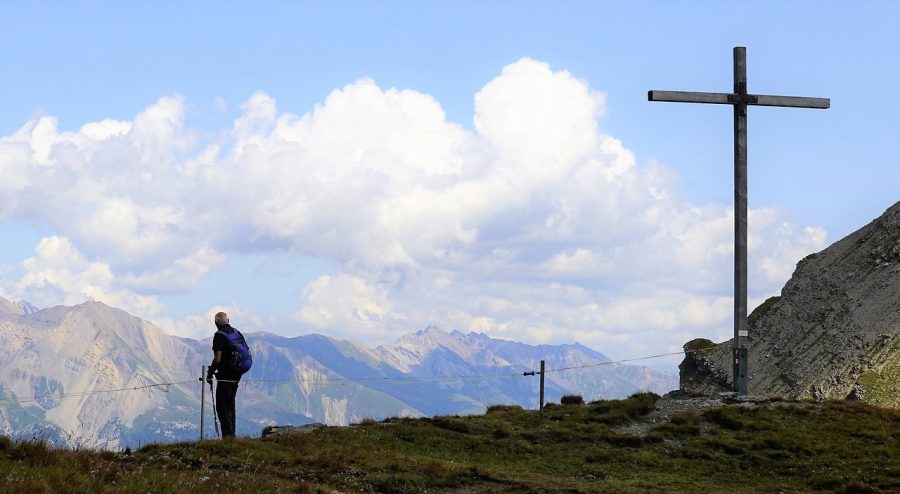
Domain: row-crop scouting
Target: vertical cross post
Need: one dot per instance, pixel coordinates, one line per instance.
(740, 220)
(740, 100)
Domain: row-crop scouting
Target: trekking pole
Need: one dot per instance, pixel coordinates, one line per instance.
(202, 401)
(215, 412)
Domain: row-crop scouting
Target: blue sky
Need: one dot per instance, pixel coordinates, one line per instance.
(364, 169)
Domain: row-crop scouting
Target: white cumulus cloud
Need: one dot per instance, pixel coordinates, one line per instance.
(202, 325)
(534, 224)
(58, 274)
(344, 302)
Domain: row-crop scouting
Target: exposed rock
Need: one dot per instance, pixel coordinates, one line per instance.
(27, 307)
(699, 373)
(677, 402)
(833, 333)
(283, 430)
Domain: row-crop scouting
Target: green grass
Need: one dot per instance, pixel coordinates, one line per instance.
(763, 308)
(882, 386)
(775, 447)
(698, 344)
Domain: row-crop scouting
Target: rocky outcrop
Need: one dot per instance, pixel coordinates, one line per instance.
(286, 430)
(833, 333)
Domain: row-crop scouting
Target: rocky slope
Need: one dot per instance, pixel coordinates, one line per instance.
(833, 333)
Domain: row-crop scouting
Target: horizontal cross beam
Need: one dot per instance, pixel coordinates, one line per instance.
(731, 99)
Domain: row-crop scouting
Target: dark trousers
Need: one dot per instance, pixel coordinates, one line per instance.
(225, 393)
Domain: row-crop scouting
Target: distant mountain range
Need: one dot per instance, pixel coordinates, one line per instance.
(59, 365)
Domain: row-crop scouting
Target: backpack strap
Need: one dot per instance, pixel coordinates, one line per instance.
(243, 340)
(227, 340)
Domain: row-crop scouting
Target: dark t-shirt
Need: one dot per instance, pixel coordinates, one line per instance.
(220, 344)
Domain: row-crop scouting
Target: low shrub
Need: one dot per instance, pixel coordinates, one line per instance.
(500, 433)
(626, 440)
(682, 418)
(615, 412)
(572, 400)
(503, 408)
(640, 404)
(682, 424)
(450, 423)
(726, 445)
(33, 453)
(726, 417)
(398, 483)
(432, 468)
(857, 487)
(598, 458)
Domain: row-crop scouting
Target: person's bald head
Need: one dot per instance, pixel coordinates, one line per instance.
(221, 319)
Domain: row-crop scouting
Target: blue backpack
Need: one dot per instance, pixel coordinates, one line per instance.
(240, 359)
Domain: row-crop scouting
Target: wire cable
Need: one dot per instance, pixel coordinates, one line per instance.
(349, 380)
(398, 380)
(91, 392)
(613, 362)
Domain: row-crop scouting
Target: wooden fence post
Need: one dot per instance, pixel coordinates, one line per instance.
(542, 388)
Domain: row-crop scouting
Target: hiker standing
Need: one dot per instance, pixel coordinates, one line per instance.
(231, 359)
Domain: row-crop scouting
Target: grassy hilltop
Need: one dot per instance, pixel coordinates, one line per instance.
(605, 446)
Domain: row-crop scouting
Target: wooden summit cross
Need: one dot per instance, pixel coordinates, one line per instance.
(740, 99)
